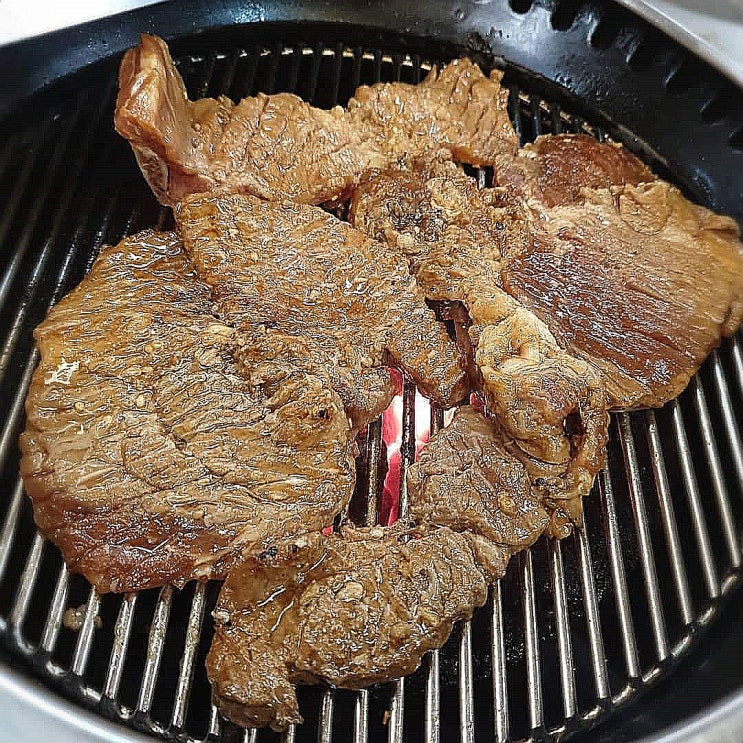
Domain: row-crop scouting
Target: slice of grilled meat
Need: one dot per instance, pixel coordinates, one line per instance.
(148, 457)
(280, 147)
(343, 302)
(466, 479)
(353, 608)
(550, 405)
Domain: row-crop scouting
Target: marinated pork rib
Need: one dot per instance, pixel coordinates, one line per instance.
(465, 479)
(549, 404)
(341, 302)
(280, 147)
(354, 608)
(148, 458)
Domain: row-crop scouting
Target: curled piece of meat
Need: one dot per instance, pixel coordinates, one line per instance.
(352, 608)
(279, 147)
(332, 298)
(148, 457)
(550, 405)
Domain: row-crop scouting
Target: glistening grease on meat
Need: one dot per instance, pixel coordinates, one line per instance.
(280, 147)
(363, 605)
(354, 608)
(340, 301)
(148, 457)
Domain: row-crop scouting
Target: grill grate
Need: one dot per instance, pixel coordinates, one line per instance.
(575, 630)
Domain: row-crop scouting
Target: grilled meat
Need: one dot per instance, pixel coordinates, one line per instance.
(353, 608)
(465, 479)
(549, 404)
(456, 108)
(148, 457)
(280, 147)
(554, 169)
(638, 281)
(342, 302)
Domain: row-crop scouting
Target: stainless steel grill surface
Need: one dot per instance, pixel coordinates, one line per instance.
(577, 628)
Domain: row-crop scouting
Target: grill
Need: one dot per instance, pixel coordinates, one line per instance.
(575, 631)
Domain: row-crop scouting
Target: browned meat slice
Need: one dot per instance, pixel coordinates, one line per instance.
(270, 145)
(550, 405)
(354, 608)
(554, 169)
(637, 280)
(148, 458)
(280, 147)
(456, 108)
(348, 304)
(466, 479)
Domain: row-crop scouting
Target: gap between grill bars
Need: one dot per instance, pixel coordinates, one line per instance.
(576, 629)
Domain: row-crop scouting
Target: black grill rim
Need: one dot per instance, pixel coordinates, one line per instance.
(536, 9)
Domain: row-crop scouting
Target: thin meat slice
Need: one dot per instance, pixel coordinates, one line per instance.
(354, 608)
(637, 280)
(555, 168)
(271, 145)
(147, 456)
(280, 147)
(456, 108)
(466, 479)
(549, 404)
(341, 301)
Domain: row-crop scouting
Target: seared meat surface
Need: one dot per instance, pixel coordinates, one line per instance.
(338, 300)
(456, 108)
(549, 404)
(353, 608)
(638, 281)
(148, 457)
(280, 147)
(466, 479)
(554, 169)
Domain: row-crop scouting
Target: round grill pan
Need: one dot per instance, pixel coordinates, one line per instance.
(578, 630)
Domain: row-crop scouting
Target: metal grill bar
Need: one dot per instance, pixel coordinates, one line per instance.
(56, 611)
(325, 732)
(593, 622)
(718, 480)
(85, 636)
(407, 452)
(670, 526)
(619, 578)
(727, 407)
(432, 722)
(361, 717)
(122, 633)
(644, 541)
(701, 533)
(498, 649)
(466, 697)
(193, 633)
(531, 636)
(28, 579)
(565, 646)
(9, 525)
(155, 649)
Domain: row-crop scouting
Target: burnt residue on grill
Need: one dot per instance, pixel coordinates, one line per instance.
(575, 630)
